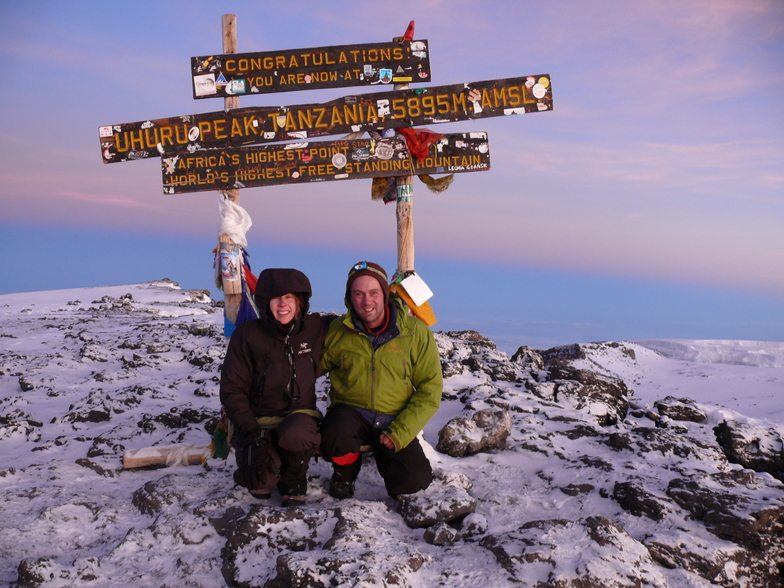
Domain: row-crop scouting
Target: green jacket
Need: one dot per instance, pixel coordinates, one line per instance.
(402, 377)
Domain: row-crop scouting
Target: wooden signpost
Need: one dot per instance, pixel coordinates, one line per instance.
(229, 251)
(226, 150)
(310, 69)
(350, 114)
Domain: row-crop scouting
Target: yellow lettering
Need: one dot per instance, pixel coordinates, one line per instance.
(499, 96)
(486, 103)
(291, 124)
(342, 58)
(249, 128)
(151, 142)
(205, 127)
(219, 129)
(321, 112)
(231, 65)
(526, 98)
(293, 61)
(459, 101)
(305, 119)
(136, 143)
(514, 96)
(443, 104)
(118, 144)
(336, 118)
(166, 135)
(351, 113)
(398, 109)
(181, 140)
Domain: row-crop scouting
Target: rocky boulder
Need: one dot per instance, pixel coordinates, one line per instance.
(758, 448)
(485, 431)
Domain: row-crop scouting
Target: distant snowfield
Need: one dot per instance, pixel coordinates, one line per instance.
(751, 353)
(681, 369)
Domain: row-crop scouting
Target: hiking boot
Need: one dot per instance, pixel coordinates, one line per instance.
(340, 488)
(261, 495)
(292, 501)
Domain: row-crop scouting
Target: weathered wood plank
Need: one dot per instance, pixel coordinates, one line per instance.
(293, 163)
(341, 66)
(359, 113)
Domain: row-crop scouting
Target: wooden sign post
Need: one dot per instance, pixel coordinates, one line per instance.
(228, 250)
(404, 204)
(224, 150)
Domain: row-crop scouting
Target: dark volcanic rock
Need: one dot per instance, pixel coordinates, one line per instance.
(757, 448)
(445, 500)
(316, 549)
(638, 501)
(680, 409)
(606, 398)
(600, 554)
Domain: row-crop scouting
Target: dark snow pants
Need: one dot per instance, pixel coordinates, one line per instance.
(344, 431)
(291, 445)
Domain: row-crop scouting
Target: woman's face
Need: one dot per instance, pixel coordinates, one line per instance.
(285, 308)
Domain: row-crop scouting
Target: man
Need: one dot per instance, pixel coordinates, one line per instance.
(386, 384)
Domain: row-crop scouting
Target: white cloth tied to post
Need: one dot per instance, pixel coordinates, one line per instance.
(235, 220)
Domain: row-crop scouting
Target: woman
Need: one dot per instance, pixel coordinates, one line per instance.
(268, 388)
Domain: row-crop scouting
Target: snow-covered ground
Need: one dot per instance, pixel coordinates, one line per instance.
(87, 373)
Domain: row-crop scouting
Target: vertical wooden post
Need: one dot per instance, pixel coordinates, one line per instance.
(404, 212)
(232, 289)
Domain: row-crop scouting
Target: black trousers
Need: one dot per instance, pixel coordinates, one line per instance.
(296, 439)
(344, 431)
(291, 446)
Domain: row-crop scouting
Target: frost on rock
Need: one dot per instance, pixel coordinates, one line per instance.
(486, 431)
(587, 553)
(758, 448)
(345, 546)
(445, 500)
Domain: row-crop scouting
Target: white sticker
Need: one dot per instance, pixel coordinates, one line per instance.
(539, 91)
(417, 289)
(105, 131)
(204, 85)
(339, 160)
(193, 134)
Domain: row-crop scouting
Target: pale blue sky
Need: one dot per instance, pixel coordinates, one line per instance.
(649, 203)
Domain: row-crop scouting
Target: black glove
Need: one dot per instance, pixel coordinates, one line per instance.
(253, 464)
